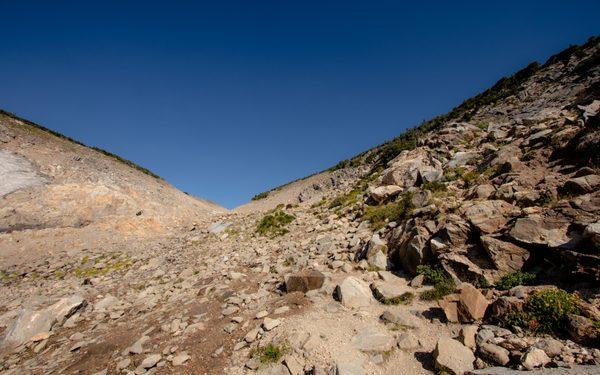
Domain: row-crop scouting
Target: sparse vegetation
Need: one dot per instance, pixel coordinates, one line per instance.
(403, 299)
(259, 196)
(379, 216)
(513, 279)
(273, 224)
(435, 187)
(441, 281)
(544, 311)
(271, 353)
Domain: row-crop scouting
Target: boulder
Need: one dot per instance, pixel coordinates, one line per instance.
(494, 354)
(541, 230)
(354, 293)
(581, 185)
(408, 341)
(571, 370)
(31, 323)
(414, 250)
(449, 304)
(581, 329)
(381, 193)
(452, 356)
(385, 290)
(378, 261)
(373, 341)
(490, 216)
(592, 231)
(462, 158)
(472, 304)
(507, 257)
(467, 335)
(304, 281)
(534, 358)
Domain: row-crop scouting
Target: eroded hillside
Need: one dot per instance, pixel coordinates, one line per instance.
(466, 245)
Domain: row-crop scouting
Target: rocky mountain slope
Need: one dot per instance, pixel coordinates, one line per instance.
(469, 244)
(55, 190)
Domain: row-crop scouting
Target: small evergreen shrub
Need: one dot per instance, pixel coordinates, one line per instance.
(259, 196)
(441, 281)
(270, 353)
(378, 216)
(513, 279)
(273, 224)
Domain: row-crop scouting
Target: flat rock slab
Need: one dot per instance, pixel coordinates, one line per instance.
(354, 293)
(16, 173)
(373, 341)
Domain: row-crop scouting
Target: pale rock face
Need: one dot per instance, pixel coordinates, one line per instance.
(354, 293)
(450, 355)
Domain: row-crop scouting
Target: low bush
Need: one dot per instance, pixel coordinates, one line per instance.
(399, 210)
(270, 353)
(403, 299)
(546, 310)
(434, 186)
(262, 195)
(441, 281)
(273, 224)
(513, 279)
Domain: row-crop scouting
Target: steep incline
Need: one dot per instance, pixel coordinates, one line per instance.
(54, 189)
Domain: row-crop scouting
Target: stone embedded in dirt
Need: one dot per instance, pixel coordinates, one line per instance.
(180, 359)
(534, 358)
(452, 356)
(31, 322)
(472, 304)
(373, 341)
(408, 341)
(401, 318)
(494, 354)
(151, 361)
(278, 369)
(491, 215)
(137, 347)
(349, 366)
(106, 303)
(269, 324)
(304, 281)
(354, 293)
(449, 304)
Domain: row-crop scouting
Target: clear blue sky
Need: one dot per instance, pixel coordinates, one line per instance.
(228, 99)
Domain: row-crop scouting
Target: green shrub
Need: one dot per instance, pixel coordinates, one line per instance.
(273, 224)
(378, 216)
(441, 281)
(262, 195)
(513, 279)
(270, 353)
(403, 299)
(547, 309)
(434, 186)
(482, 125)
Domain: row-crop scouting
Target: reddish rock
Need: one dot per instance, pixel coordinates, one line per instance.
(472, 304)
(304, 281)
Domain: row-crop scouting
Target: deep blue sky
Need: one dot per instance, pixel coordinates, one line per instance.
(225, 101)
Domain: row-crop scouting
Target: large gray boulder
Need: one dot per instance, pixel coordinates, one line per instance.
(354, 293)
(491, 215)
(541, 230)
(32, 323)
(452, 356)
